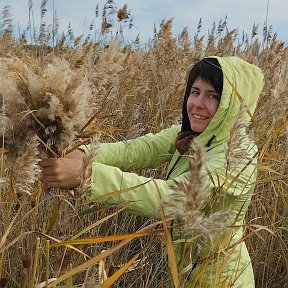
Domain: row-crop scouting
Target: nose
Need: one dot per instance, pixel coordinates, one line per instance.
(199, 101)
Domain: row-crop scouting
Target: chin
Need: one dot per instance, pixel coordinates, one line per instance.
(197, 129)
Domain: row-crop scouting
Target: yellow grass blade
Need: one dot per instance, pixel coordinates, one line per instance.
(15, 240)
(169, 243)
(99, 257)
(36, 260)
(102, 274)
(85, 142)
(54, 216)
(106, 132)
(9, 228)
(26, 113)
(97, 112)
(94, 210)
(281, 127)
(228, 185)
(121, 271)
(94, 240)
(89, 263)
(93, 225)
(91, 134)
(115, 193)
(58, 241)
(170, 251)
(102, 130)
(239, 97)
(272, 178)
(47, 147)
(266, 145)
(47, 258)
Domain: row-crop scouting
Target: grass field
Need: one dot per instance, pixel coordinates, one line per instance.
(51, 88)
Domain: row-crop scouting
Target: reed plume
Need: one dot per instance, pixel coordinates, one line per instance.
(236, 151)
(88, 158)
(188, 200)
(25, 170)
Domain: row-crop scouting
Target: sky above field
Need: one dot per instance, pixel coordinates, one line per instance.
(241, 14)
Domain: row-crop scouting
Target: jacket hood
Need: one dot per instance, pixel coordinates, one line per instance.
(242, 81)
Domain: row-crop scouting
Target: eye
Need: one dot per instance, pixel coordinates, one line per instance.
(194, 92)
(214, 96)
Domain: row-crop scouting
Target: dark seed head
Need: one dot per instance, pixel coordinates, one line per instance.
(17, 206)
(33, 203)
(3, 282)
(26, 261)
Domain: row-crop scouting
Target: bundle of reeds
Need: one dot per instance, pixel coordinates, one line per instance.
(44, 108)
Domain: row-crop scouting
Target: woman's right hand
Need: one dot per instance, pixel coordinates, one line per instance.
(62, 172)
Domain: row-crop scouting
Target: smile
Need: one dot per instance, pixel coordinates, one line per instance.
(199, 117)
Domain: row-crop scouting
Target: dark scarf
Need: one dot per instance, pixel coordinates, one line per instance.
(184, 140)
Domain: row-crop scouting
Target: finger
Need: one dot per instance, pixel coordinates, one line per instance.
(56, 182)
(48, 177)
(54, 185)
(51, 179)
(71, 192)
(76, 154)
(47, 162)
(49, 171)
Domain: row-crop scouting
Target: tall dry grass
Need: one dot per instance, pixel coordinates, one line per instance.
(127, 91)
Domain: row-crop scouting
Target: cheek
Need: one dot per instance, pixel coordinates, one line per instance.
(213, 108)
(188, 104)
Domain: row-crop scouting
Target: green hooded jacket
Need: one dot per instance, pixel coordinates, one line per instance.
(221, 263)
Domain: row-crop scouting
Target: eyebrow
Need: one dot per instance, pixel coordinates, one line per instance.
(193, 87)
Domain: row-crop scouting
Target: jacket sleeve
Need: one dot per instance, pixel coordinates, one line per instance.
(140, 194)
(148, 151)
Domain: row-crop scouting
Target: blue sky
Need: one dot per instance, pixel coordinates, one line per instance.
(241, 14)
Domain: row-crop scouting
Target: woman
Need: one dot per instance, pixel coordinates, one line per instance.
(215, 89)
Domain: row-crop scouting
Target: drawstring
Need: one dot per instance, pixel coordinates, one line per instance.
(210, 141)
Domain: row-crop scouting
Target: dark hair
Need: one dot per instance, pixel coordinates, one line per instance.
(210, 71)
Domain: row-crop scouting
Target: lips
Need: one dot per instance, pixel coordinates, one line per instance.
(199, 117)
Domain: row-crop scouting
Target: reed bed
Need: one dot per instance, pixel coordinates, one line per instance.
(59, 93)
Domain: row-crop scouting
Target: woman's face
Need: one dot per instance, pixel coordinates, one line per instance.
(202, 104)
